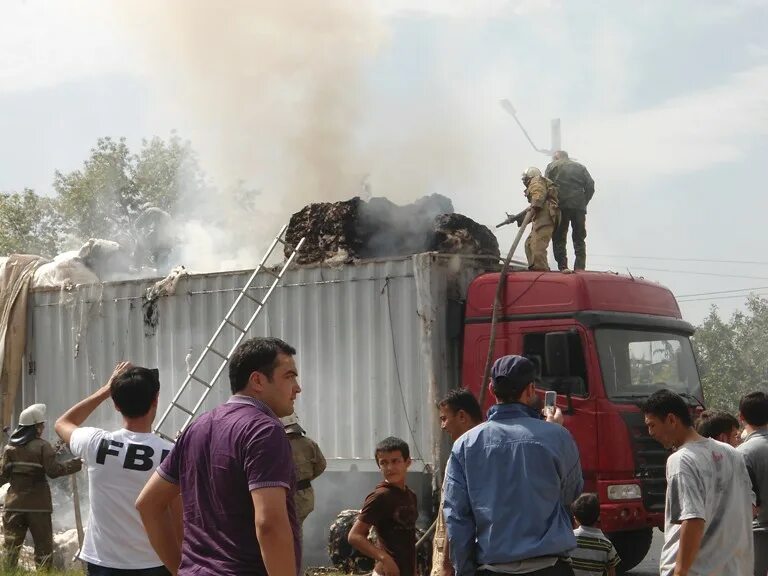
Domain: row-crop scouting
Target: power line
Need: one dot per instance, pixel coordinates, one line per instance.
(706, 260)
(722, 292)
(722, 297)
(699, 273)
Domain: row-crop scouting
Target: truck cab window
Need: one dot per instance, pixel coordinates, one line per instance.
(533, 348)
(636, 363)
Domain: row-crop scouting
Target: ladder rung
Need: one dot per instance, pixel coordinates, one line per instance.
(203, 382)
(235, 325)
(219, 354)
(184, 409)
(270, 272)
(277, 241)
(259, 302)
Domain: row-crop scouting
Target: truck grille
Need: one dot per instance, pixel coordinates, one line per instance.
(650, 462)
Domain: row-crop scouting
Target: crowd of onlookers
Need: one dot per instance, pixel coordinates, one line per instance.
(221, 500)
(714, 519)
(748, 434)
(512, 500)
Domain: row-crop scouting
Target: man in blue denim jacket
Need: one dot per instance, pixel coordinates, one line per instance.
(509, 483)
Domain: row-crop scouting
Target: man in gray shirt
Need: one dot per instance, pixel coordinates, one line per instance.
(708, 507)
(753, 413)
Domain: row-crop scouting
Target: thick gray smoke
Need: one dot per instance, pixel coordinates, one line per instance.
(277, 96)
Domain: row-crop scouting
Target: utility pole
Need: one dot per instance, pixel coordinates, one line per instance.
(555, 134)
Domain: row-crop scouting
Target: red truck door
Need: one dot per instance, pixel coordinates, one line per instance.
(528, 338)
(575, 397)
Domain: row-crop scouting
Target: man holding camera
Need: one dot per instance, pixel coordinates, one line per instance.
(509, 483)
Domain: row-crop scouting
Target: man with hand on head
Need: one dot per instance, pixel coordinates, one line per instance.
(119, 464)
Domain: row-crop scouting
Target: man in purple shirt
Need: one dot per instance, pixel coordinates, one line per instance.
(234, 470)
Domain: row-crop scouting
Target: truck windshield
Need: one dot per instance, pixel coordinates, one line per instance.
(636, 363)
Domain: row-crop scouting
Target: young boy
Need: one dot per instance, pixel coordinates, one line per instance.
(595, 555)
(392, 510)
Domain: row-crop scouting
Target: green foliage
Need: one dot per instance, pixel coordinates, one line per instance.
(103, 198)
(733, 355)
(97, 199)
(29, 224)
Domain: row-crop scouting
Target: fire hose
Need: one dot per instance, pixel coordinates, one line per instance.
(497, 305)
(492, 342)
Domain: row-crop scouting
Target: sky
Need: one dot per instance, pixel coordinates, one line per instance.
(666, 103)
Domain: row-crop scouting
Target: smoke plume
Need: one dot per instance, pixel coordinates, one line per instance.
(278, 97)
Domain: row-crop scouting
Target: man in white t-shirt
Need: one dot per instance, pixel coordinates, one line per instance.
(708, 512)
(119, 464)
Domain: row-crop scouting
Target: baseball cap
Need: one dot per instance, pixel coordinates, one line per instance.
(514, 370)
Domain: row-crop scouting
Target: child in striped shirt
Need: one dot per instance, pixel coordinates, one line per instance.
(594, 555)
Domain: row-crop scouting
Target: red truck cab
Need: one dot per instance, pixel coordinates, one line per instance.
(604, 342)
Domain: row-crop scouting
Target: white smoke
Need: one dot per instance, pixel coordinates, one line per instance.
(278, 96)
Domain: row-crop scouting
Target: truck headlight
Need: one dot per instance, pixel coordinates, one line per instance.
(624, 492)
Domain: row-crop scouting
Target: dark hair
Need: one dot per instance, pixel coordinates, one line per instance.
(664, 402)
(392, 444)
(753, 407)
(712, 423)
(586, 509)
(509, 389)
(255, 355)
(462, 399)
(134, 390)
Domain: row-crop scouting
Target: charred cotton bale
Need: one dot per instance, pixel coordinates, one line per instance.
(342, 232)
(329, 229)
(457, 234)
(390, 230)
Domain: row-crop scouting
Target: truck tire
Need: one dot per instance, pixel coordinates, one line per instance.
(632, 547)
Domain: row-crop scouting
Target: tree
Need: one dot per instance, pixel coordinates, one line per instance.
(104, 197)
(733, 355)
(29, 224)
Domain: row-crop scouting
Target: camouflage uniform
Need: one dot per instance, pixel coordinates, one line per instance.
(310, 463)
(348, 560)
(28, 503)
(542, 194)
(342, 554)
(576, 188)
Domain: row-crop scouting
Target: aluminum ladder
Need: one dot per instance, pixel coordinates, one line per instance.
(223, 357)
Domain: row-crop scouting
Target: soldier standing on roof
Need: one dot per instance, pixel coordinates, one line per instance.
(27, 460)
(309, 462)
(576, 188)
(542, 194)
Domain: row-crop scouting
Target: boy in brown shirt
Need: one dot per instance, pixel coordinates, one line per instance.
(391, 509)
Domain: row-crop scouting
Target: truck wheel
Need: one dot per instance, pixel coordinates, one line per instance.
(632, 547)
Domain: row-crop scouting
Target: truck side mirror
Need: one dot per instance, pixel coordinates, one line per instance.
(557, 354)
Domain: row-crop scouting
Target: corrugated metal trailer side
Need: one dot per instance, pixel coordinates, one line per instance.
(377, 343)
